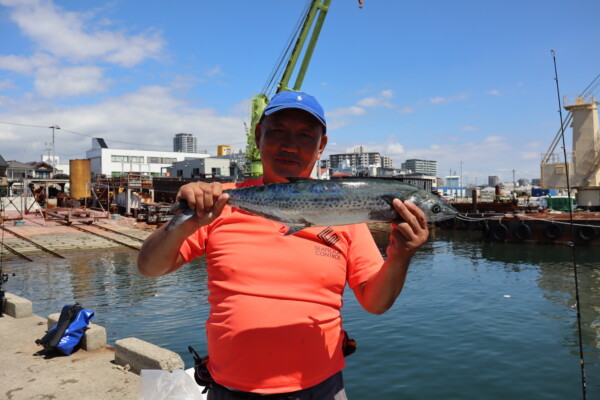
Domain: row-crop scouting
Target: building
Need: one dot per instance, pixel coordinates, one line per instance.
(42, 169)
(493, 181)
(426, 167)
(219, 166)
(453, 181)
(184, 143)
(17, 170)
(55, 162)
(360, 159)
(116, 162)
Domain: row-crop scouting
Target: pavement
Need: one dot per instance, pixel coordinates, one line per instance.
(25, 375)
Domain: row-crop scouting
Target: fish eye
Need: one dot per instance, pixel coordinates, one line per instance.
(436, 209)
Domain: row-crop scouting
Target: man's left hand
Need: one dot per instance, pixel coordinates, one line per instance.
(410, 234)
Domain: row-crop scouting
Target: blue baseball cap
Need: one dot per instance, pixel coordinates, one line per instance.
(294, 99)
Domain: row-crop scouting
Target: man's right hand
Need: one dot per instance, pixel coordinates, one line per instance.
(206, 198)
(160, 252)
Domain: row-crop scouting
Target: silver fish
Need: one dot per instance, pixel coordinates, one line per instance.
(302, 202)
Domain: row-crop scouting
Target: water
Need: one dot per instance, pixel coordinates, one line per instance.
(475, 320)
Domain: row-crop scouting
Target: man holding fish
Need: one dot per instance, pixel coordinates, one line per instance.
(276, 291)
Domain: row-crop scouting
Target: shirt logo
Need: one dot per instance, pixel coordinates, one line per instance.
(299, 98)
(328, 236)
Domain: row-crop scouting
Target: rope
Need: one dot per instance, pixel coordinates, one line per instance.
(477, 219)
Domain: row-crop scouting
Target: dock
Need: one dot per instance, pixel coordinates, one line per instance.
(95, 371)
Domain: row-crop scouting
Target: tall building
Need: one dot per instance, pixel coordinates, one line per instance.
(360, 159)
(184, 143)
(493, 180)
(427, 167)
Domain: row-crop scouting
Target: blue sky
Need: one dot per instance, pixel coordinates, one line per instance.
(466, 83)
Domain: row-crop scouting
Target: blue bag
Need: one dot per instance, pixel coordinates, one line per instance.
(68, 331)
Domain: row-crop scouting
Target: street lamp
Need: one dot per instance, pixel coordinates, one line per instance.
(53, 127)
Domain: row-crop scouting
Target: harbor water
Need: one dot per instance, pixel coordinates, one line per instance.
(476, 320)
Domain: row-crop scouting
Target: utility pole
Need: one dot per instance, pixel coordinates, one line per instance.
(53, 162)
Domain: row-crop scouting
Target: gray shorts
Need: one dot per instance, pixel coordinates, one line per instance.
(330, 389)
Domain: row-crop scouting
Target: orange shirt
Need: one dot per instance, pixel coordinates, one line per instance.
(274, 324)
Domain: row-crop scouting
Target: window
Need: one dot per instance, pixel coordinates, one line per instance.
(153, 160)
(115, 158)
(167, 160)
(116, 174)
(136, 159)
(196, 171)
(216, 171)
(179, 172)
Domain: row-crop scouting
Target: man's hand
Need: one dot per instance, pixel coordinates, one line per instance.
(410, 234)
(160, 254)
(206, 198)
(378, 294)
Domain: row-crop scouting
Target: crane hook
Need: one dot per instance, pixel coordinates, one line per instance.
(360, 3)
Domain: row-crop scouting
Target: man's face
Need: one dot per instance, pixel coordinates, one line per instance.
(290, 142)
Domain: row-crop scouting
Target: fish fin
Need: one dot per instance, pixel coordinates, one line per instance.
(293, 229)
(298, 179)
(389, 198)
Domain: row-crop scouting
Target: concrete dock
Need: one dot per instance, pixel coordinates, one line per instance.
(95, 371)
(82, 375)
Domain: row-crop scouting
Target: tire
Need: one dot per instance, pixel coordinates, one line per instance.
(586, 233)
(500, 232)
(523, 232)
(552, 231)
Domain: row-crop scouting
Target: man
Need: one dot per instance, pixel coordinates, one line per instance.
(274, 326)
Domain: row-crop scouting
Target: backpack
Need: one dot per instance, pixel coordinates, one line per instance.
(68, 331)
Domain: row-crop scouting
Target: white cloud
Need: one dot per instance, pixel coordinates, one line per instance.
(26, 65)
(469, 128)
(65, 34)
(216, 71)
(442, 100)
(438, 100)
(394, 149)
(150, 116)
(6, 84)
(65, 82)
(340, 117)
(494, 139)
(407, 110)
(493, 92)
(530, 155)
(345, 111)
(380, 100)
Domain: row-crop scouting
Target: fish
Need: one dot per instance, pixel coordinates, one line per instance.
(303, 202)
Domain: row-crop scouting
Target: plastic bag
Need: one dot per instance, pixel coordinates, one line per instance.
(164, 385)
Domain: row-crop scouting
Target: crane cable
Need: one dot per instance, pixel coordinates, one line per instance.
(572, 243)
(274, 77)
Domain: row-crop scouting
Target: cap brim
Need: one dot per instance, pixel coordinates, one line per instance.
(280, 107)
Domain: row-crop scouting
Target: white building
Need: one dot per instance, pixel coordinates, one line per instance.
(198, 168)
(55, 161)
(116, 162)
(427, 167)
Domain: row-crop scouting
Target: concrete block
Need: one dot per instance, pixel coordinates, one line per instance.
(94, 337)
(143, 355)
(17, 307)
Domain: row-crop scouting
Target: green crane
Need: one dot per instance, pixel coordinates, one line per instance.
(308, 28)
